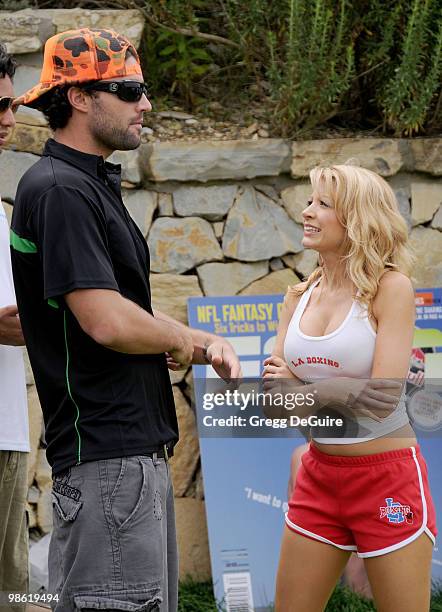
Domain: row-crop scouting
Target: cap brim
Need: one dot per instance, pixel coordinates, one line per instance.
(33, 96)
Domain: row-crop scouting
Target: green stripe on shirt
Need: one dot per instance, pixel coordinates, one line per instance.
(21, 244)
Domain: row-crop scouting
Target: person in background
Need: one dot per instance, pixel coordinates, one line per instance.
(14, 435)
(99, 353)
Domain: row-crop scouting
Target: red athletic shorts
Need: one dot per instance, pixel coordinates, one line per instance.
(372, 504)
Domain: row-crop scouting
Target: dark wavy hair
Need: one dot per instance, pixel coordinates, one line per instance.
(55, 106)
(8, 64)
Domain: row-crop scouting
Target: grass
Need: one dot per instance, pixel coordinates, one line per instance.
(198, 597)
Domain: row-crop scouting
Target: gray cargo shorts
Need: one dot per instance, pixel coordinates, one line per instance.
(113, 546)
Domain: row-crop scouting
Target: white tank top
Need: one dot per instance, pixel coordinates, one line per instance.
(348, 351)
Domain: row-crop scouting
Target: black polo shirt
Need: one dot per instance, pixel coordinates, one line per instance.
(71, 230)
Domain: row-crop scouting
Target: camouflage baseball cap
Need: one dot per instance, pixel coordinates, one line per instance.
(79, 56)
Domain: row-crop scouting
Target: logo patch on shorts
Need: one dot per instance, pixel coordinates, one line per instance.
(395, 512)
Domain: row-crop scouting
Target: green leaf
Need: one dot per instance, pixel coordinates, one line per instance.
(168, 50)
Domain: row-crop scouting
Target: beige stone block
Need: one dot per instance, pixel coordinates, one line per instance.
(141, 205)
(170, 293)
(257, 228)
(29, 138)
(302, 263)
(212, 203)
(24, 31)
(199, 485)
(186, 455)
(12, 167)
(437, 220)
(35, 428)
(426, 197)
(176, 376)
(178, 245)
(43, 473)
(33, 494)
(214, 160)
(165, 205)
(130, 169)
(382, 155)
(189, 389)
(32, 515)
(229, 278)
(129, 22)
(218, 228)
(276, 282)
(427, 155)
(295, 200)
(427, 244)
(28, 370)
(44, 510)
(193, 542)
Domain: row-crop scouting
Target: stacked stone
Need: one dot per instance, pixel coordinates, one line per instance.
(220, 218)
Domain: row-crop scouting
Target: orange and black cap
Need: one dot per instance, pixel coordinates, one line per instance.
(81, 56)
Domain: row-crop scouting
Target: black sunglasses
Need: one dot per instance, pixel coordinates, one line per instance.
(7, 102)
(128, 91)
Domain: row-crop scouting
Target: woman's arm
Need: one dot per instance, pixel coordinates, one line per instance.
(288, 308)
(394, 310)
(275, 366)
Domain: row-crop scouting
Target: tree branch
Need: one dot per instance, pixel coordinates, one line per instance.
(191, 32)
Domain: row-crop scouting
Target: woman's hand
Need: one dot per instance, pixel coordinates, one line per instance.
(275, 367)
(278, 376)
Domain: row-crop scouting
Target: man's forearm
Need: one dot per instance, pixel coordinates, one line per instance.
(120, 324)
(201, 339)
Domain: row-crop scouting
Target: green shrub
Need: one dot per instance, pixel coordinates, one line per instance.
(411, 92)
(305, 64)
(311, 71)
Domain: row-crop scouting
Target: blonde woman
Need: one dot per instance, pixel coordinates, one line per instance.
(350, 326)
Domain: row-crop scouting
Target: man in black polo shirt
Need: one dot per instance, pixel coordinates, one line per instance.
(99, 356)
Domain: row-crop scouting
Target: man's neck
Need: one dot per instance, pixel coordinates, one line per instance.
(78, 142)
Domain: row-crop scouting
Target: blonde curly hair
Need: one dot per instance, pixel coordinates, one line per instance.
(376, 233)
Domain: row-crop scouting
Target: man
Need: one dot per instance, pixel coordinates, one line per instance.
(81, 269)
(14, 437)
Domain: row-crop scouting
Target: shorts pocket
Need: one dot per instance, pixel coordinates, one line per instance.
(129, 492)
(66, 508)
(130, 601)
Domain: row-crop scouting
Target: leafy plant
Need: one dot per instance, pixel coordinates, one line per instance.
(312, 71)
(410, 93)
(305, 64)
(181, 60)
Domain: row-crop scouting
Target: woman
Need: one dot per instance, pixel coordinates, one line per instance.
(353, 319)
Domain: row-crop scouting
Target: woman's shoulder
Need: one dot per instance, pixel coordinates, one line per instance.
(393, 287)
(392, 280)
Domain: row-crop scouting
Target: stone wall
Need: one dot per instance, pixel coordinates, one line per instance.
(220, 218)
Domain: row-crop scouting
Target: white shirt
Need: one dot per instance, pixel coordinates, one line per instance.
(14, 428)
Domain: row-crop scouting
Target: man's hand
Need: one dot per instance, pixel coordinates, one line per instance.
(223, 359)
(10, 328)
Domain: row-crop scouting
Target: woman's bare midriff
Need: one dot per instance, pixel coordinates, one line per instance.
(401, 438)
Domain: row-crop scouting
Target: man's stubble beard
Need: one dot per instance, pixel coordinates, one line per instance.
(106, 132)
